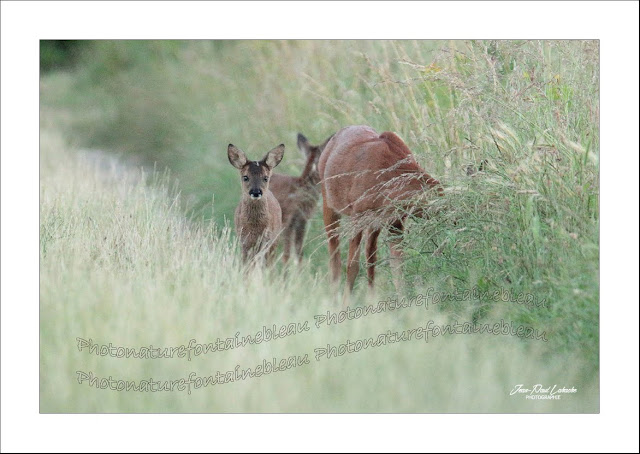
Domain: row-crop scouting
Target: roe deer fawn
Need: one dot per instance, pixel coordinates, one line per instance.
(363, 172)
(258, 219)
(298, 197)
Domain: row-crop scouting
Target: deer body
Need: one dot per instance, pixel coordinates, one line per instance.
(258, 218)
(258, 224)
(364, 172)
(298, 198)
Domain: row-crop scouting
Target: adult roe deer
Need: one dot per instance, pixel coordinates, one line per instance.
(366, 173)
(298, 197)
(258, 218)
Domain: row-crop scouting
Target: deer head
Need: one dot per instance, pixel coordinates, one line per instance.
(255, 175)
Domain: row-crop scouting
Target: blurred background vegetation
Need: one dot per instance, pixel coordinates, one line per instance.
(527, 222)
(59, 54)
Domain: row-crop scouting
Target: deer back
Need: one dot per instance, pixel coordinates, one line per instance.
(362, 170)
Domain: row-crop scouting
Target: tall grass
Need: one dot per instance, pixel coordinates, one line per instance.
(128, 261)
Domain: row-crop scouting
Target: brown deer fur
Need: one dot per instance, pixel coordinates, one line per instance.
(298, 197)
(364, 172)
(258, 218)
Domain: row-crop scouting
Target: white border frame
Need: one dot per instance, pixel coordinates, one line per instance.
(614, 23)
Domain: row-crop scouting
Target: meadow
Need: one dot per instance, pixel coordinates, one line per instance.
(137, 250)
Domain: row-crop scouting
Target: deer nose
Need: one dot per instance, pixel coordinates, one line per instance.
(255, 193)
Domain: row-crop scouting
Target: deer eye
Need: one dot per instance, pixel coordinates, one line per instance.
(266, 179)
(245, 178)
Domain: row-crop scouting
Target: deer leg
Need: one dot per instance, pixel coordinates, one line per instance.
(371, 253)
(270, 253)
(395, 252)
(331, 224)
(260, 252)
(353, 263)
(286, 243)
(300, 228)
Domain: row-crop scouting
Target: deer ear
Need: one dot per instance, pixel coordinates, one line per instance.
(236, 156)
(303, 145)
(274, 157)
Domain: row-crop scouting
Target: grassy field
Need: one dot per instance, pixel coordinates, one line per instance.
(135, 248)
